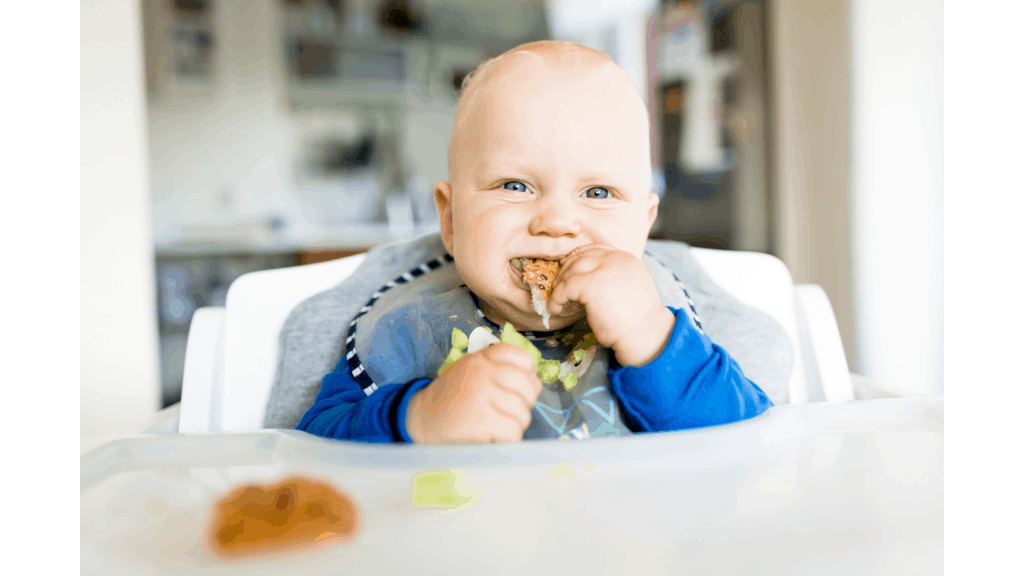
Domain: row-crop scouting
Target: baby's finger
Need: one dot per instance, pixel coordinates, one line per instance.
(506, 430)
(591, 252)
(561, 292)
(578, 264)
(525, 386)
(568, 289)
(589, 248)
(582, 262)
(509, 405)
(509, 355)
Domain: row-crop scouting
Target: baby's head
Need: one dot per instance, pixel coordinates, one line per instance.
(550, 152)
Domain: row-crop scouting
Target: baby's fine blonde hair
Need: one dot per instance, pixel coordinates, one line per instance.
(549, 53)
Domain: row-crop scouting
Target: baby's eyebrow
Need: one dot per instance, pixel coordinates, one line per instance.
(505, 169)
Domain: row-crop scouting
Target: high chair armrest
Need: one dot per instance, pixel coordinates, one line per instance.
(824, 345)
(865, 388)
(204, 360)
(163, 422)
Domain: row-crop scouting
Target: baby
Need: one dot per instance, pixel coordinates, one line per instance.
(549, 160)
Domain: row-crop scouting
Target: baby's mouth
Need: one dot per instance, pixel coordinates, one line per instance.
(517, 272)
(517, 263)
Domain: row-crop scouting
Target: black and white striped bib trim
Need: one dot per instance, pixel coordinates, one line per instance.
(689, 301)
(355, 366)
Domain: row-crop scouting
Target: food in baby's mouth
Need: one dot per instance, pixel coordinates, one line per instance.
(279, 519)
(539, 275)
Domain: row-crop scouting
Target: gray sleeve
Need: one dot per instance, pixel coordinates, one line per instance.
(754, 339)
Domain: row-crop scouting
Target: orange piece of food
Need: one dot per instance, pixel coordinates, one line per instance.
(540, 275)
(289, 517)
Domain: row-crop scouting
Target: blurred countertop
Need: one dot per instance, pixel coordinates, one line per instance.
(257, 237)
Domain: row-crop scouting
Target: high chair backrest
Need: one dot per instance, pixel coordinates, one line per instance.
(232, 352)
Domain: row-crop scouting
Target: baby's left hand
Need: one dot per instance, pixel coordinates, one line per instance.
(622, 304)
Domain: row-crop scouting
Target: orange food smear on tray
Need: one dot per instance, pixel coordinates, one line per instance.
(289, 517)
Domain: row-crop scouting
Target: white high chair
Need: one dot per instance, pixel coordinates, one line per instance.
(232, 351)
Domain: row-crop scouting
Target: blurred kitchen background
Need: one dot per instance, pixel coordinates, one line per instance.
(221, 137)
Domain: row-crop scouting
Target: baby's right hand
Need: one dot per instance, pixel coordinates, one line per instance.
(486, 396)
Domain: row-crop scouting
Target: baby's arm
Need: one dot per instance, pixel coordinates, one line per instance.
(485, 396)
(691, 383)
(343, 411)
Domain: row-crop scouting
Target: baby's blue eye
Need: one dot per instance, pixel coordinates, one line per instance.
(597, 192)
(515, 186)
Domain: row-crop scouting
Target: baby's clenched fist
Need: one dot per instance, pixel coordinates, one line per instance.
(622, 303)
(486, 396)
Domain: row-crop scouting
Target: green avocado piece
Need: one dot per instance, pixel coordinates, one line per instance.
(549, 370)
(578, 355)
(569, 382)
(510, 336)
(454, 356)
(459, 339)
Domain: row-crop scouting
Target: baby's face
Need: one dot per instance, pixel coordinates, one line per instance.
(547, 162)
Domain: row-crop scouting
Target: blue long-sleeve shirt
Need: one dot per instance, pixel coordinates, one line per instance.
(690, 384)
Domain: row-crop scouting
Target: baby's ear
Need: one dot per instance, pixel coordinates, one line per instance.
(652, 210)
(443, 200)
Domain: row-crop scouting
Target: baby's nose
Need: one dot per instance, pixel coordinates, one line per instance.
(554, 217)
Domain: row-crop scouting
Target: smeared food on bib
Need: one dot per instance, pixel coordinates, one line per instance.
(289, 517)
(568, 371)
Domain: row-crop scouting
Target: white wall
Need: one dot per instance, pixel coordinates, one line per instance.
(896, 191)
(119, 369)
(810, 104)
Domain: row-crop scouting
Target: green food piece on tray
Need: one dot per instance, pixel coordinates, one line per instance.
(510, 336)
(578, 355)
(459, 339)
(569, 381)
(444, 490)
(549, 370)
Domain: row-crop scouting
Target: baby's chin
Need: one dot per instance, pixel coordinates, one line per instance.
(509, 308)
(536, 324)
(527, 319)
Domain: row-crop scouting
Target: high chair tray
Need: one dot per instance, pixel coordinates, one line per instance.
(852, 488)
